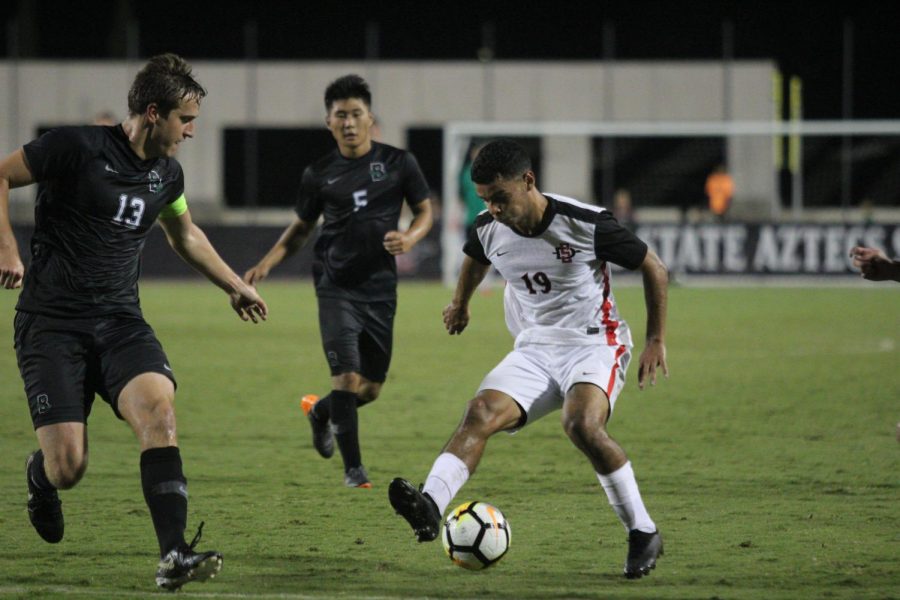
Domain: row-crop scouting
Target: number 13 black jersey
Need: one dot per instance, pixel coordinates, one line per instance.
(96, 202)
(559, 285)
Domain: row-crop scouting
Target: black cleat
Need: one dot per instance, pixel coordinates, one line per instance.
(323, 438)
(643, 550)
(417, 508)
(44, 508)
(357, 477)
(182, 565)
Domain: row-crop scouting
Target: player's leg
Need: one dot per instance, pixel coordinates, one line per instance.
(340, 325)
(486, 414)
(594, 376)
(517, 390)
(136, 374)
(52, 358)
(585, 412)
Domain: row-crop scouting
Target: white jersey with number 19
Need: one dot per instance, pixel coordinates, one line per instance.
(558, 278)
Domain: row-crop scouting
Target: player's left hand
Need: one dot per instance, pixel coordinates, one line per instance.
(397, 243)
(248, 305)
(652, 358)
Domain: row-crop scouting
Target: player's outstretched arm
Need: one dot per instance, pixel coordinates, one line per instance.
(292, 239)
(656, 281)
(400, 243)
(874, 264)
(14, 172)
(192, 245)
(456, 314)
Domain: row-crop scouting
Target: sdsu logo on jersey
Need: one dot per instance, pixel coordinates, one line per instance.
(565, 252)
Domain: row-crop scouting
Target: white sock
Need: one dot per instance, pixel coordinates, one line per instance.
(622, 490)
(448, 474)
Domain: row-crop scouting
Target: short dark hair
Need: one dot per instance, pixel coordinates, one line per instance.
(501, 158)
(348, 86)
(166, 80)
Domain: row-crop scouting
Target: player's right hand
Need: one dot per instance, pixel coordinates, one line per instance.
(256, 274)
(456, 318)
(12, 271)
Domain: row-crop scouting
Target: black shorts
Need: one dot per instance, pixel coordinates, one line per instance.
(65, 362)
(358, 337)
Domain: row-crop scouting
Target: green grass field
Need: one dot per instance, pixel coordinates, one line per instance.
(768, 459)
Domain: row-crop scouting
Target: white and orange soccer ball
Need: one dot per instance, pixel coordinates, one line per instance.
(476, 535)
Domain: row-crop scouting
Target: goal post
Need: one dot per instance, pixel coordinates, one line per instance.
(754, 152)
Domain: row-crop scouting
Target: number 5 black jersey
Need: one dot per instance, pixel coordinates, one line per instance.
(360, 199)
(96, 202)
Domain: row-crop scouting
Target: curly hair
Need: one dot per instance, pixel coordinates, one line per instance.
(501, 158)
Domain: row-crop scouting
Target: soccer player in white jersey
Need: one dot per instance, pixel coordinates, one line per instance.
(571, 349)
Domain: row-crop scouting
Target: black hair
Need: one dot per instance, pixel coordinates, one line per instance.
(166, 80)
(348, 86)
(501, 158)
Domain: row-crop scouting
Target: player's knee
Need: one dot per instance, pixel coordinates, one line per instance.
(67, 470)
(582, 429)
(368, 392)
(483, 415)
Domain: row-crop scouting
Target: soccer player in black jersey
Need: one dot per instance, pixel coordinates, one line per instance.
(79, 330)
(359, 188)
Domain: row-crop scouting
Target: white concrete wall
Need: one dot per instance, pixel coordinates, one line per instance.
(36, 93)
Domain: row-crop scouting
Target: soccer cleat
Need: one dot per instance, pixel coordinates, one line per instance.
(182, 565)
(643, 550)
(357, 477)
(44, 508)
(323, 439)
(417, 508)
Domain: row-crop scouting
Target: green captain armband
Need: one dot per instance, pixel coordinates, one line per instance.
(175, 209)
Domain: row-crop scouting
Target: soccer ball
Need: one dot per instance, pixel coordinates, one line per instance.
(476, 535)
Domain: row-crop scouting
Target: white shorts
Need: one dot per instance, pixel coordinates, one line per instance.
(537, 376)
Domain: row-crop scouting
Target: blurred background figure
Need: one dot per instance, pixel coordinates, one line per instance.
(622, 209)
(467, 194)
(105, 117)
(875, 265)
(719, 190)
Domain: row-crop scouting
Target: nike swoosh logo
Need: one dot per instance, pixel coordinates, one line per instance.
(110, 169)
(332, 180)
(167, 367)
(502, 253)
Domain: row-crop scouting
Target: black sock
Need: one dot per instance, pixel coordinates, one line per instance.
(38, 475)
(322, 408)
(343, 416)
(165, 490)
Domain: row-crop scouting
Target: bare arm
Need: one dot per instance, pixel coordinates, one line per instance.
(292, 239)
(192, 245)
(14, 172)
(400, 243)
(456, 314)
(656, 281)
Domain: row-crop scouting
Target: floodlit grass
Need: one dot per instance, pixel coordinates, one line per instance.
(768, 459)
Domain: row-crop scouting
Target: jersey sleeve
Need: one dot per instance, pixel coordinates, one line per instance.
(309, 201)
(473, 246)
(57, 153)
(415, 188)
(615, 244)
